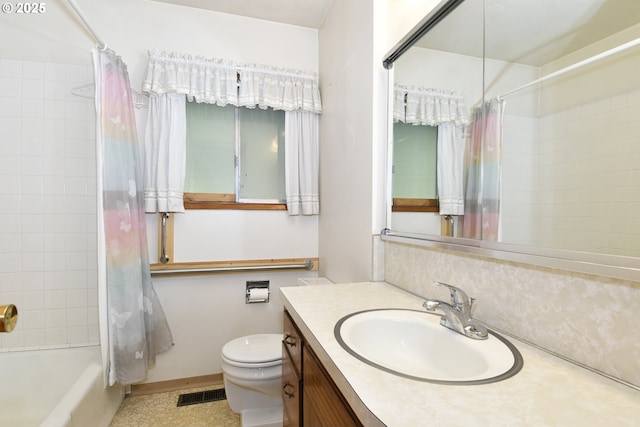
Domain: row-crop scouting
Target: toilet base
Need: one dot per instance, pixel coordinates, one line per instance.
(262, 417)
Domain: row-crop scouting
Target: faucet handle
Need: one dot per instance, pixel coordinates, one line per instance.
(458, 296)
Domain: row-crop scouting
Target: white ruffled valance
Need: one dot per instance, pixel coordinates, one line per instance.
(278, 89)
(222, 82)
(430, 107)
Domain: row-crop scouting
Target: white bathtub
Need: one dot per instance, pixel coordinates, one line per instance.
(56, 388)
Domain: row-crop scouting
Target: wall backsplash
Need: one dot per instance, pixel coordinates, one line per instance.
(47, 205)
(589, 319)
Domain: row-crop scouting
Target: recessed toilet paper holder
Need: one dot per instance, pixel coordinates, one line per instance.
(257, 291)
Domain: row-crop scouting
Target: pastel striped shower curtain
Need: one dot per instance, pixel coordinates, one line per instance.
(132, 322)
(482, 187)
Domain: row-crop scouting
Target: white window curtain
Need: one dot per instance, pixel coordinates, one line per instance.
(165, 153)
(301, 162)
(447, 111)
(223, 82)
(450, 167)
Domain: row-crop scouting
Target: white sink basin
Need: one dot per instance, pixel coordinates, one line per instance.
(414, 345)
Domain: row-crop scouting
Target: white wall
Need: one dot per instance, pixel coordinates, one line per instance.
(346, 150)
(131, 27)
(203, 312)
(354, 39)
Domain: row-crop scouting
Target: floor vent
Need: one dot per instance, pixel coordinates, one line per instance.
(201, 397)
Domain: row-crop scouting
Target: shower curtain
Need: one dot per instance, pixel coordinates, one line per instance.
(133, 325)
(482, 189)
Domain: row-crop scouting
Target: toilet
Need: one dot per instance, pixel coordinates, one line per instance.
(252, 374)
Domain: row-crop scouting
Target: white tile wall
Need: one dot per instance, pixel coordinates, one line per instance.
(47, 205)
(518, 155)
(564, 203)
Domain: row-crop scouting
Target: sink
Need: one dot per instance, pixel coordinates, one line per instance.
(413, 344)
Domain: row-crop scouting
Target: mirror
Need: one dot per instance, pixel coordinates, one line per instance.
(567, 168)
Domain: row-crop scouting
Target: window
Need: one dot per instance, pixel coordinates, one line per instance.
(414, 168)
(235, 157)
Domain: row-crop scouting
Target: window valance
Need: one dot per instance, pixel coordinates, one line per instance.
(222, 82)
(433, 107)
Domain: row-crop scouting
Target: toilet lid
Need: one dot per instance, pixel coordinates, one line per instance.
(254, 348)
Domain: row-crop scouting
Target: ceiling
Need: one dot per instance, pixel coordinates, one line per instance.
(304, 13)
(533, 32)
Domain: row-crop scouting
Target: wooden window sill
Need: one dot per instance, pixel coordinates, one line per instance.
(415, 205)
(237, 206)
(226, 201)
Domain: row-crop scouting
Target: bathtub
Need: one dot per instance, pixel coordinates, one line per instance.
(56, 388)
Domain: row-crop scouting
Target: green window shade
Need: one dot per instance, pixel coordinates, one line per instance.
(210, 149)
(414, 161)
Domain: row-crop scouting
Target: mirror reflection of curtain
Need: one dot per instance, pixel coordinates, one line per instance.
(482, 169)
(447, 111)
(450, 169)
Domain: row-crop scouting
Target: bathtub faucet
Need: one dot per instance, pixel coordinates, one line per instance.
(8, 317)
(457, 314)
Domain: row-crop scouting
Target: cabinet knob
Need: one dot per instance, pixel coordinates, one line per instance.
(288, 390)
(290, 340)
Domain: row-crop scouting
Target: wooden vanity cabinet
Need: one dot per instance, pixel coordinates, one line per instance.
(310, 398)
(291, 374)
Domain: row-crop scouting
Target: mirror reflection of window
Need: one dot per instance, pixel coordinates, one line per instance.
(414, 167)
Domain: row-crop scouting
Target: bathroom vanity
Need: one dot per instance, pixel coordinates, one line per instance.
(309, 395)
(325, 380)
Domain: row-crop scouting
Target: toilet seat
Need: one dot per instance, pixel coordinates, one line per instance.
(254, 351)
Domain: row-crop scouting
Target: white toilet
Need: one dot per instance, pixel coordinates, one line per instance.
(252, 373)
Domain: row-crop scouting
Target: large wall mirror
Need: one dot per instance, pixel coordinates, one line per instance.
(532, 110)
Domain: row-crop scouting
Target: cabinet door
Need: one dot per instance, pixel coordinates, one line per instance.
(291, 392)
(323, 404)
(292, 342)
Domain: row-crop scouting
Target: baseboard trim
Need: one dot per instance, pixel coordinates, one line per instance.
(178, 384)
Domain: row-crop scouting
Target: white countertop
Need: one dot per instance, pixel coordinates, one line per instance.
(548, 391)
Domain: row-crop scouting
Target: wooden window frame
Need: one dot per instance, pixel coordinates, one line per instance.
(415, 205)
(226, 201)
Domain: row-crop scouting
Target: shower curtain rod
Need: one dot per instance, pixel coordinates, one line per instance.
(101, 44)
(575, 66)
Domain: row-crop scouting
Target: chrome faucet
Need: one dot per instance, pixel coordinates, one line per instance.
(457, 314)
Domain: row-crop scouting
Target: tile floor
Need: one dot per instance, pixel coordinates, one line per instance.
(161, 410)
